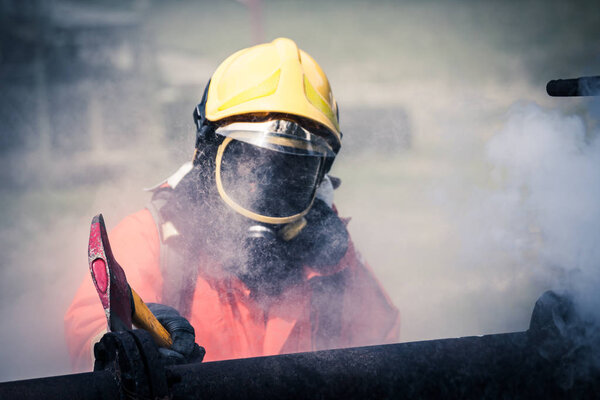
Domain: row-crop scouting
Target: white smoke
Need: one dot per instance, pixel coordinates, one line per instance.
(541, 210)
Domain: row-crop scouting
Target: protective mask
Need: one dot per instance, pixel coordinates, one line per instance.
(269, 171)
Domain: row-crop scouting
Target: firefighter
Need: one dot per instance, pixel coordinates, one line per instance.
(242, 248)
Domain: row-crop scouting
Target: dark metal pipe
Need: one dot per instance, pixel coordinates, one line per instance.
(492, 366)
(495, 366)
(553, 358)
(584, 86)
(472, 367)
(90, 385)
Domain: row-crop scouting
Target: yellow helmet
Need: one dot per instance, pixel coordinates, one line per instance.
(274, 77)
(269, 106)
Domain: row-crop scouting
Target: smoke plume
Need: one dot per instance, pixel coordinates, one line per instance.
(546, 166)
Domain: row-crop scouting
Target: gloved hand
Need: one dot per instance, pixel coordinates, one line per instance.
(184, 349)
(324, 240)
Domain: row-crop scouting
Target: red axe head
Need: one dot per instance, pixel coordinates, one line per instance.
(109, 278)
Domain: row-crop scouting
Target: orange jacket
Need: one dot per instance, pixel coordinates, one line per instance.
(228, 322)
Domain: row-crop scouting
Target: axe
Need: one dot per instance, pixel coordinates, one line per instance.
(122, 305)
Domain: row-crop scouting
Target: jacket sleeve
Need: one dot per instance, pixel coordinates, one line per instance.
(368, 315)
(135, 245)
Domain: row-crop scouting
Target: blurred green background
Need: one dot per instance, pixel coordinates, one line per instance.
(97, 99)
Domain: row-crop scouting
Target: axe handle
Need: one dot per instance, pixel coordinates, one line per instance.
(143, 318)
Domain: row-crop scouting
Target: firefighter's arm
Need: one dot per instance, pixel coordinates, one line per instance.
(135, 245)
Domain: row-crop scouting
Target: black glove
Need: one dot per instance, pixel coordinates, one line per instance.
(324, 240)
(184, 349)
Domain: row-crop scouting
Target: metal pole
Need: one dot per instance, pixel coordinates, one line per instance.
(584, 86)
(90, 385)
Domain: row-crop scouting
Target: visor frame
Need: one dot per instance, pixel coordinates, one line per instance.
(279, 135)
(249, 213)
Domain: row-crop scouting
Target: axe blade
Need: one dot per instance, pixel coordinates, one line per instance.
(109, 278)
